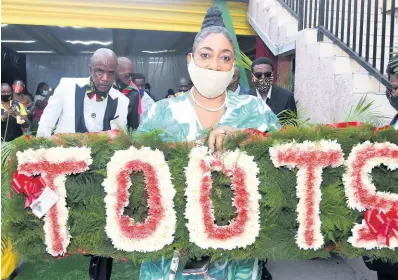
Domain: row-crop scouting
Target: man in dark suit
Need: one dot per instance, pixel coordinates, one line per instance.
(124, 83)
(276, 97)
(392, 93)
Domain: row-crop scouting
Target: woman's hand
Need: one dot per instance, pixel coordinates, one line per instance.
(217, 137)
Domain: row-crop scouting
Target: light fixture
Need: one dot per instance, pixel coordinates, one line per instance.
(18, 41)
(4, 25)
(35, 52)
(86, 43)
(164, 51)
(76, 27)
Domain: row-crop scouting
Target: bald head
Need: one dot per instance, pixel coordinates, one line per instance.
(185, 84)
(103, 54)
(125, 71)
(102, 68)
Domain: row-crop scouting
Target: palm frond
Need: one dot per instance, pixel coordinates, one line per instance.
(5, 153)
(290, 118)
(365, 111)
(243, 60)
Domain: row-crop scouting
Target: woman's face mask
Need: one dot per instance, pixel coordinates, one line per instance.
(45, 92)
(209, 83)
(6, 94)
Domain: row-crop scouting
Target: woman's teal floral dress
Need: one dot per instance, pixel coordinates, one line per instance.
(178, 119)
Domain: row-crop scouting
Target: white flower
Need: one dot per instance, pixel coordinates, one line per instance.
(194, 210)
(55, 156)
(164, 233)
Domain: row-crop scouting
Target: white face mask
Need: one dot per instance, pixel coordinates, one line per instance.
(45, 92)
(209, 83)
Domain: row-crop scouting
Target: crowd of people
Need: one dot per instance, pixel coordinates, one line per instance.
(115, 97)
(134, 86)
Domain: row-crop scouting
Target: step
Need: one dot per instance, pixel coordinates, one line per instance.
(365, 83)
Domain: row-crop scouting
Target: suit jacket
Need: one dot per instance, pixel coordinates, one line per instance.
(281, 99)
(133, 118)
(66, 108)
(394, 120)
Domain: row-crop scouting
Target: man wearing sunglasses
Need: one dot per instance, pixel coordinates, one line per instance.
(276, 97)
(124, 83)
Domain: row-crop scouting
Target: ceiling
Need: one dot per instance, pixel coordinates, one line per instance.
(72, 41)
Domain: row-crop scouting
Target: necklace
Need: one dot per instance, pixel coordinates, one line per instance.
(205, 108)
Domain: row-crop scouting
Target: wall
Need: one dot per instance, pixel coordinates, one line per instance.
(328, 82)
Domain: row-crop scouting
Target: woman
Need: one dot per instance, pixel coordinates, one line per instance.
(208, 107)
(41, 100)
(24, 98)
(13, 115)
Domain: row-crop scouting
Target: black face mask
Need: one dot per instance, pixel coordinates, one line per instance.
(5, 98)
(393, 99)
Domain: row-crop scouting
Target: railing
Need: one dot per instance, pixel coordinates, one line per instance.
(362, 28)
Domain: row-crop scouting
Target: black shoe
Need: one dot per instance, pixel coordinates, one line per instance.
(265, 275)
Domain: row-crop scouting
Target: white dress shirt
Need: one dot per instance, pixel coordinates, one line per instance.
(94, 113)
(268, 96)
(237, 91)
(395, 125)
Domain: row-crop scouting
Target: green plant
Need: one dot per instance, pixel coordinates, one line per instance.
(288, 117)
(394, 60)
(365, 111)
(243, 60)
(85, 198)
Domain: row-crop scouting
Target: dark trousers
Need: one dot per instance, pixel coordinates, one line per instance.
(385, 271)
(100, 268)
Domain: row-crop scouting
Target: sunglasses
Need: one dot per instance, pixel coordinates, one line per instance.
(127, 76)
(260, 75)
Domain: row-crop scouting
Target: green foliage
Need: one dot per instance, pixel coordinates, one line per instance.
(366, 112)
(243, 60)
(85, 198)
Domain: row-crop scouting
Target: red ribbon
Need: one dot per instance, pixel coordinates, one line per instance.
(31, 186)
(384, 225)
(345, 124)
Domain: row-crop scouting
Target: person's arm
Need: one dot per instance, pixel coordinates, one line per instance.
(40, 102)
(51, 113)
(21, 116)
(133, 119)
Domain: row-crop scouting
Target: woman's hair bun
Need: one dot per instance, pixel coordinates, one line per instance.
(213, 17)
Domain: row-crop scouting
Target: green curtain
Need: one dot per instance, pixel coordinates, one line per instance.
(222, 5)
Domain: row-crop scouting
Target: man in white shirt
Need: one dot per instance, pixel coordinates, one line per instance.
(235, 86)
(146, 100)
(87, 104)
